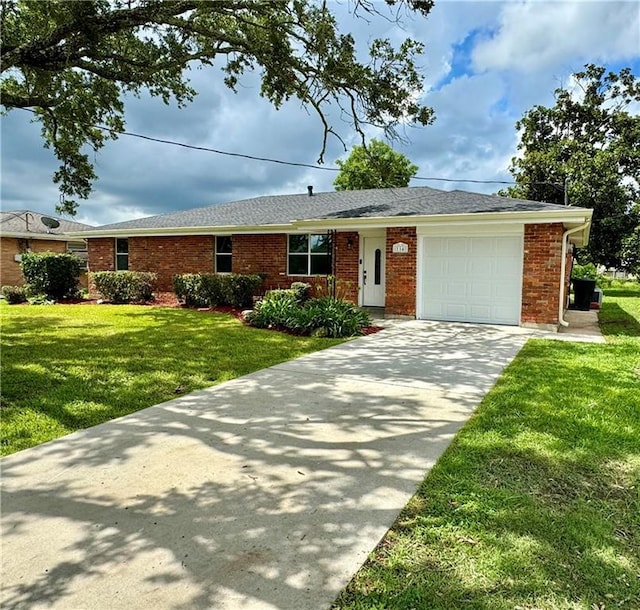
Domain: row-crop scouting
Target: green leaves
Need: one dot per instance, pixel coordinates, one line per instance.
(590, 138)
(70, 62)
(376, 166)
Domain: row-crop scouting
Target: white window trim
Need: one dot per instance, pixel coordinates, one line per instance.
(308, 254)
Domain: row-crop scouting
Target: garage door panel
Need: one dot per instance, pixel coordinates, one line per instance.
(472, 278)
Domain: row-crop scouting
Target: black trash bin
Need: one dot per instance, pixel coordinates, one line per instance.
(582, 292)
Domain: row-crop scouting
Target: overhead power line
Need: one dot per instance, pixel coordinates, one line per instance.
(283, 162)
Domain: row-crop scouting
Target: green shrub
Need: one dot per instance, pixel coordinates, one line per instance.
(194, 289)
(324, 317)
(238, 290)
(124, 286)
(14, 294)
(57, 276)
(212, 290)
(301, 291)
(333, 317)
(277, 309)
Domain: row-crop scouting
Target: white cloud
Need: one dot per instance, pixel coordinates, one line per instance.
(534, 35)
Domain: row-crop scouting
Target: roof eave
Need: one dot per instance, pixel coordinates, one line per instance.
(569, 217)
(176, 231)
(42, 236)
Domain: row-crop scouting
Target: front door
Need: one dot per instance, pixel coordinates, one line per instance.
(373, 272)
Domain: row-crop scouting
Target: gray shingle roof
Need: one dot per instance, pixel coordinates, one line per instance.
(26, 221)
(374, 203)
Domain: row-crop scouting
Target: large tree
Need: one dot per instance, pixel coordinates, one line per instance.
(71, 62)
(374, 166)
(590, 139)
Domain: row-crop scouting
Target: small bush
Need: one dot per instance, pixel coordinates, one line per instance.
(124, 286)
(14, 294)
(333, 317)
(276, 310)
(57, 276)
(238, 290)
(301, 291)
(322, 317)
(212, 290)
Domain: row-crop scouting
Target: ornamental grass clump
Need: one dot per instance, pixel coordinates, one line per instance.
(320, 317)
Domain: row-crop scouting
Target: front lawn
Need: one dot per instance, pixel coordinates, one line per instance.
(536, 504)
(67, 367)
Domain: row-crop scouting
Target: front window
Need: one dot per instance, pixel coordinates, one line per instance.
(223, 254)
(310, 254)
(122, 254)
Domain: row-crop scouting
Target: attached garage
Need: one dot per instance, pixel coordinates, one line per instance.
(467, 277)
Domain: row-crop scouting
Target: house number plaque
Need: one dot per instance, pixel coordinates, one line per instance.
(400, 248)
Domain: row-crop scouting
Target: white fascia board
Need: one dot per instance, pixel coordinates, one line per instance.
(40, 236)
(566, 216)
(177, 231)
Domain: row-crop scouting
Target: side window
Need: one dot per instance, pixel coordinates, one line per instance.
(224, 251)
(122, 254)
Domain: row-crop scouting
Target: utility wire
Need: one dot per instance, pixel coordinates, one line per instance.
(281, 161)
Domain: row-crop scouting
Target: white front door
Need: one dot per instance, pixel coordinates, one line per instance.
(372, 279)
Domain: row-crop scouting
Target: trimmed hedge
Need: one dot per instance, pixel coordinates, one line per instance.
(322, 317)
(14, 294)
(56, 276)
(124, 286)
(213, 290)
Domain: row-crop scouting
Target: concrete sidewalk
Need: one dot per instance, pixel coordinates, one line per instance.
(268, 491)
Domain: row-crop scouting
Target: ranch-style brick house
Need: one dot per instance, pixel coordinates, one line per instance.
(416, 251)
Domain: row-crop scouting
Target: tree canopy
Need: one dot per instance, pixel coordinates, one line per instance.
(71, 62)
(375, 166)
(590, 138)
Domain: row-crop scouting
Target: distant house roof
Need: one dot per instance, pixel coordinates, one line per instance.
(28, 224)
(332, 210)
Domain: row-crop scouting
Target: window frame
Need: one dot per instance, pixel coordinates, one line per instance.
(216, 254)
(310, 254)
(120, 255)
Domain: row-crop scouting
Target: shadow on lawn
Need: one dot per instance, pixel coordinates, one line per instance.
(615, 321)
(249, 493)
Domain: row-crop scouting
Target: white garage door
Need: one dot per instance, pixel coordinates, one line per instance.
(471, 279)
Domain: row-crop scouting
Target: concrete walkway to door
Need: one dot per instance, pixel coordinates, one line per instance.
(265, 492)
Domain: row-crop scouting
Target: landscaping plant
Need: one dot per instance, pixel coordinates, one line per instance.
(14, 294)
(214, 289)
(322, 317)
(124, 286)
(56, 276)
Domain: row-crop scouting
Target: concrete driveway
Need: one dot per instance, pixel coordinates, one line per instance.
(268, 491)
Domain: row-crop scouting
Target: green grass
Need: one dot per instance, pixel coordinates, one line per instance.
(68, 367)
(536, 503)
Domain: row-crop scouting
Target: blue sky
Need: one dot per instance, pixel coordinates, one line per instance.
(485, 64)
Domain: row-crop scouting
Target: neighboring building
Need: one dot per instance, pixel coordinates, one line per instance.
(23, 231)
(417, 252)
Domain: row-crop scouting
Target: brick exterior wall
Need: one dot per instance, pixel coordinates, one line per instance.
(168, 256)
(257, 253)
(102, 254)
(165, 256)
(401, 273)
(10, 271)
(541, 273)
